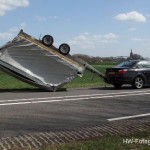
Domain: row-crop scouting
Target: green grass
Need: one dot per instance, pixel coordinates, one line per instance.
(88, 80)
(105, 143)
(114, 142)
(9, 82)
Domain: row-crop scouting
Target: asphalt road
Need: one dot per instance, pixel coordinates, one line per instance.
(23, 112)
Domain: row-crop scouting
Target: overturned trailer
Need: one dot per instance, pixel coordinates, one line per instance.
(39, 64)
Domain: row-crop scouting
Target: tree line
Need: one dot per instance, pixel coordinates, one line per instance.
(91, 59)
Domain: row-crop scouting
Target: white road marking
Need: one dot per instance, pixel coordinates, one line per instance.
(112, 96)
(61, 97)
(129, 117)
(29, 101)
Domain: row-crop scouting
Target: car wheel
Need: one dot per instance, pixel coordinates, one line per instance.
(117, 85)
(47, 40)
(138, 82)
(64, 49)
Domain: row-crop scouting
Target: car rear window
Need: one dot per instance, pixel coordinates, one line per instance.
(143, 64)
(127, 64)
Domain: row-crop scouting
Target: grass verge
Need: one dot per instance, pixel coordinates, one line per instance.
(8, 82)
(104, 143)
(137, 141)
(88, 80)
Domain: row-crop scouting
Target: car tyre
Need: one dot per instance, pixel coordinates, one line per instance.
(138, 82)
(47, 40)
(64, 49)
(117, 85)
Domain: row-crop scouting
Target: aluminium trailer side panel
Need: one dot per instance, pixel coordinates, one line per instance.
(52, 50)
(28, 59)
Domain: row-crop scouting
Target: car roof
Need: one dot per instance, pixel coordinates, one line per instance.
(138, 61)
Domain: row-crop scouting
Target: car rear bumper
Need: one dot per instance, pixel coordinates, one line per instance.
(120, 80)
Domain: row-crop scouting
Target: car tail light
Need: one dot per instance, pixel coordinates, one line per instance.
(123, 71)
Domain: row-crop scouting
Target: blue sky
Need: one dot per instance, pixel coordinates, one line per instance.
(93, 27)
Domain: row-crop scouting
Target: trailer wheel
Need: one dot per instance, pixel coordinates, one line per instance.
(47, 40)
(64, 49)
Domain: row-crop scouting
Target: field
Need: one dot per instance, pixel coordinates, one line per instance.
(88, 80)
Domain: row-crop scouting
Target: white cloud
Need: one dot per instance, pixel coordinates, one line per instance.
(132, 16)
(11, 32)
(40, 18)
(109, 38)
(5, 36)
(8, 5)
(132, 29)
(43, 18)
(138, 39)
(53, 17)
(89, 41)
(17, 29)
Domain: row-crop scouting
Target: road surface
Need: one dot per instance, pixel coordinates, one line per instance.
(27, 112)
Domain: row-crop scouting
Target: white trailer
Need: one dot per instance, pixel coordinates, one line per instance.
(42, 65)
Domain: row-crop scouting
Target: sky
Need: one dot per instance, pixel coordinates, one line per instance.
(101, 28)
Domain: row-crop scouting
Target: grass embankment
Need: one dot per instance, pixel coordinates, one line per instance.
(141, 141)
(8, 82)
(88, 79)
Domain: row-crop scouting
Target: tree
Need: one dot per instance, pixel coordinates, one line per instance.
(137, 56)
